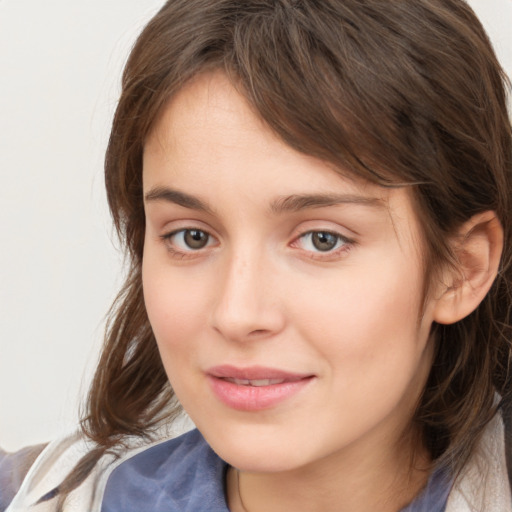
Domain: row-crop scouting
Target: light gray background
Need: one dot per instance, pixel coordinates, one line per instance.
(60, 63)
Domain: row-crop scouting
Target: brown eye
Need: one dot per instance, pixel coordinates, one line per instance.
(188, 240)
(324, 241)
(195, 238)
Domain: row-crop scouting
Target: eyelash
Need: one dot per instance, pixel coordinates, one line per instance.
(342, 245)
(180, 253)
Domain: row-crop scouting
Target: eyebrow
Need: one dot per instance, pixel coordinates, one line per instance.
(292, 203)
(298, 202)
(180, 198)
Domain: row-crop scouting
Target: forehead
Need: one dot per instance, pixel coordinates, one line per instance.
(209, 113)
(208, 138)
(208, 120)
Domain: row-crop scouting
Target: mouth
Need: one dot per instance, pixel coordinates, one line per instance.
(255, 388)
(256, 382)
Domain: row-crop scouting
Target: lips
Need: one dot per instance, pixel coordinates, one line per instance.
(255, 388)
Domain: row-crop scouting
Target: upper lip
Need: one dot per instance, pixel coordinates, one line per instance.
(254, 373)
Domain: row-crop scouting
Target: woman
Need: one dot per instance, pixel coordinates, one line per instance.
(315, 198)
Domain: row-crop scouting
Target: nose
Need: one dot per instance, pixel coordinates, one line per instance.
(247, 306)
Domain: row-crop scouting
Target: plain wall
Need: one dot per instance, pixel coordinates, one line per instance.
(60, 65)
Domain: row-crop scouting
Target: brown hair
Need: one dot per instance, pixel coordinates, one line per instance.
(397, 92)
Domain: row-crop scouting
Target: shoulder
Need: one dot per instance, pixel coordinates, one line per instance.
(47, 471)
(177, 475)
(483, 485)
(173, 474)
(13, 468)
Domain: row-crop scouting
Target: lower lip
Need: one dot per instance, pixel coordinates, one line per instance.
(255, 398)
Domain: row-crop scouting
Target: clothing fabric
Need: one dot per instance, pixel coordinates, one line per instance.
(13, 467)
(185, 475)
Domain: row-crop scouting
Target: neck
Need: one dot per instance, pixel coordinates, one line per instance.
(386, 483)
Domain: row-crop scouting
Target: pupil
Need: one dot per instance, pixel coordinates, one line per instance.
(324, 241)
(195, 238)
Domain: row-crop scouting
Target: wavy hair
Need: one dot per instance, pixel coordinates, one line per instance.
(397, 92)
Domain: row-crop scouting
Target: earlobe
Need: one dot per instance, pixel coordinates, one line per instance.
(477, 247)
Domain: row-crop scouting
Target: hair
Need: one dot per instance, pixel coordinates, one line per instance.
(396, 92)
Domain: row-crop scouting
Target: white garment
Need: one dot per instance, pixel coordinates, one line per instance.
(483, 485)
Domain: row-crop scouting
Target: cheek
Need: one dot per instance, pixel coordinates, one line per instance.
(371, 299)
(365, 326)
(175, 310)
(175, 303)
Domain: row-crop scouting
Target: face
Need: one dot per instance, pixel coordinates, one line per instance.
(286, 300)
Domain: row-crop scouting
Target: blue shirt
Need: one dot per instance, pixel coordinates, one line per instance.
(185, 475)
(13, 467)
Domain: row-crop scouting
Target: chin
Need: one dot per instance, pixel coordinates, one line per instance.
(260, 460)
(258, 448)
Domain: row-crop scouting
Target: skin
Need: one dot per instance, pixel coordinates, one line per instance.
(261, 293)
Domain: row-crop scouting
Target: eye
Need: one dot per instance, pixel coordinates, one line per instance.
(187, 240)
(322, 241)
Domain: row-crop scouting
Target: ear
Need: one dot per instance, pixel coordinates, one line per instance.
(477, 246)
